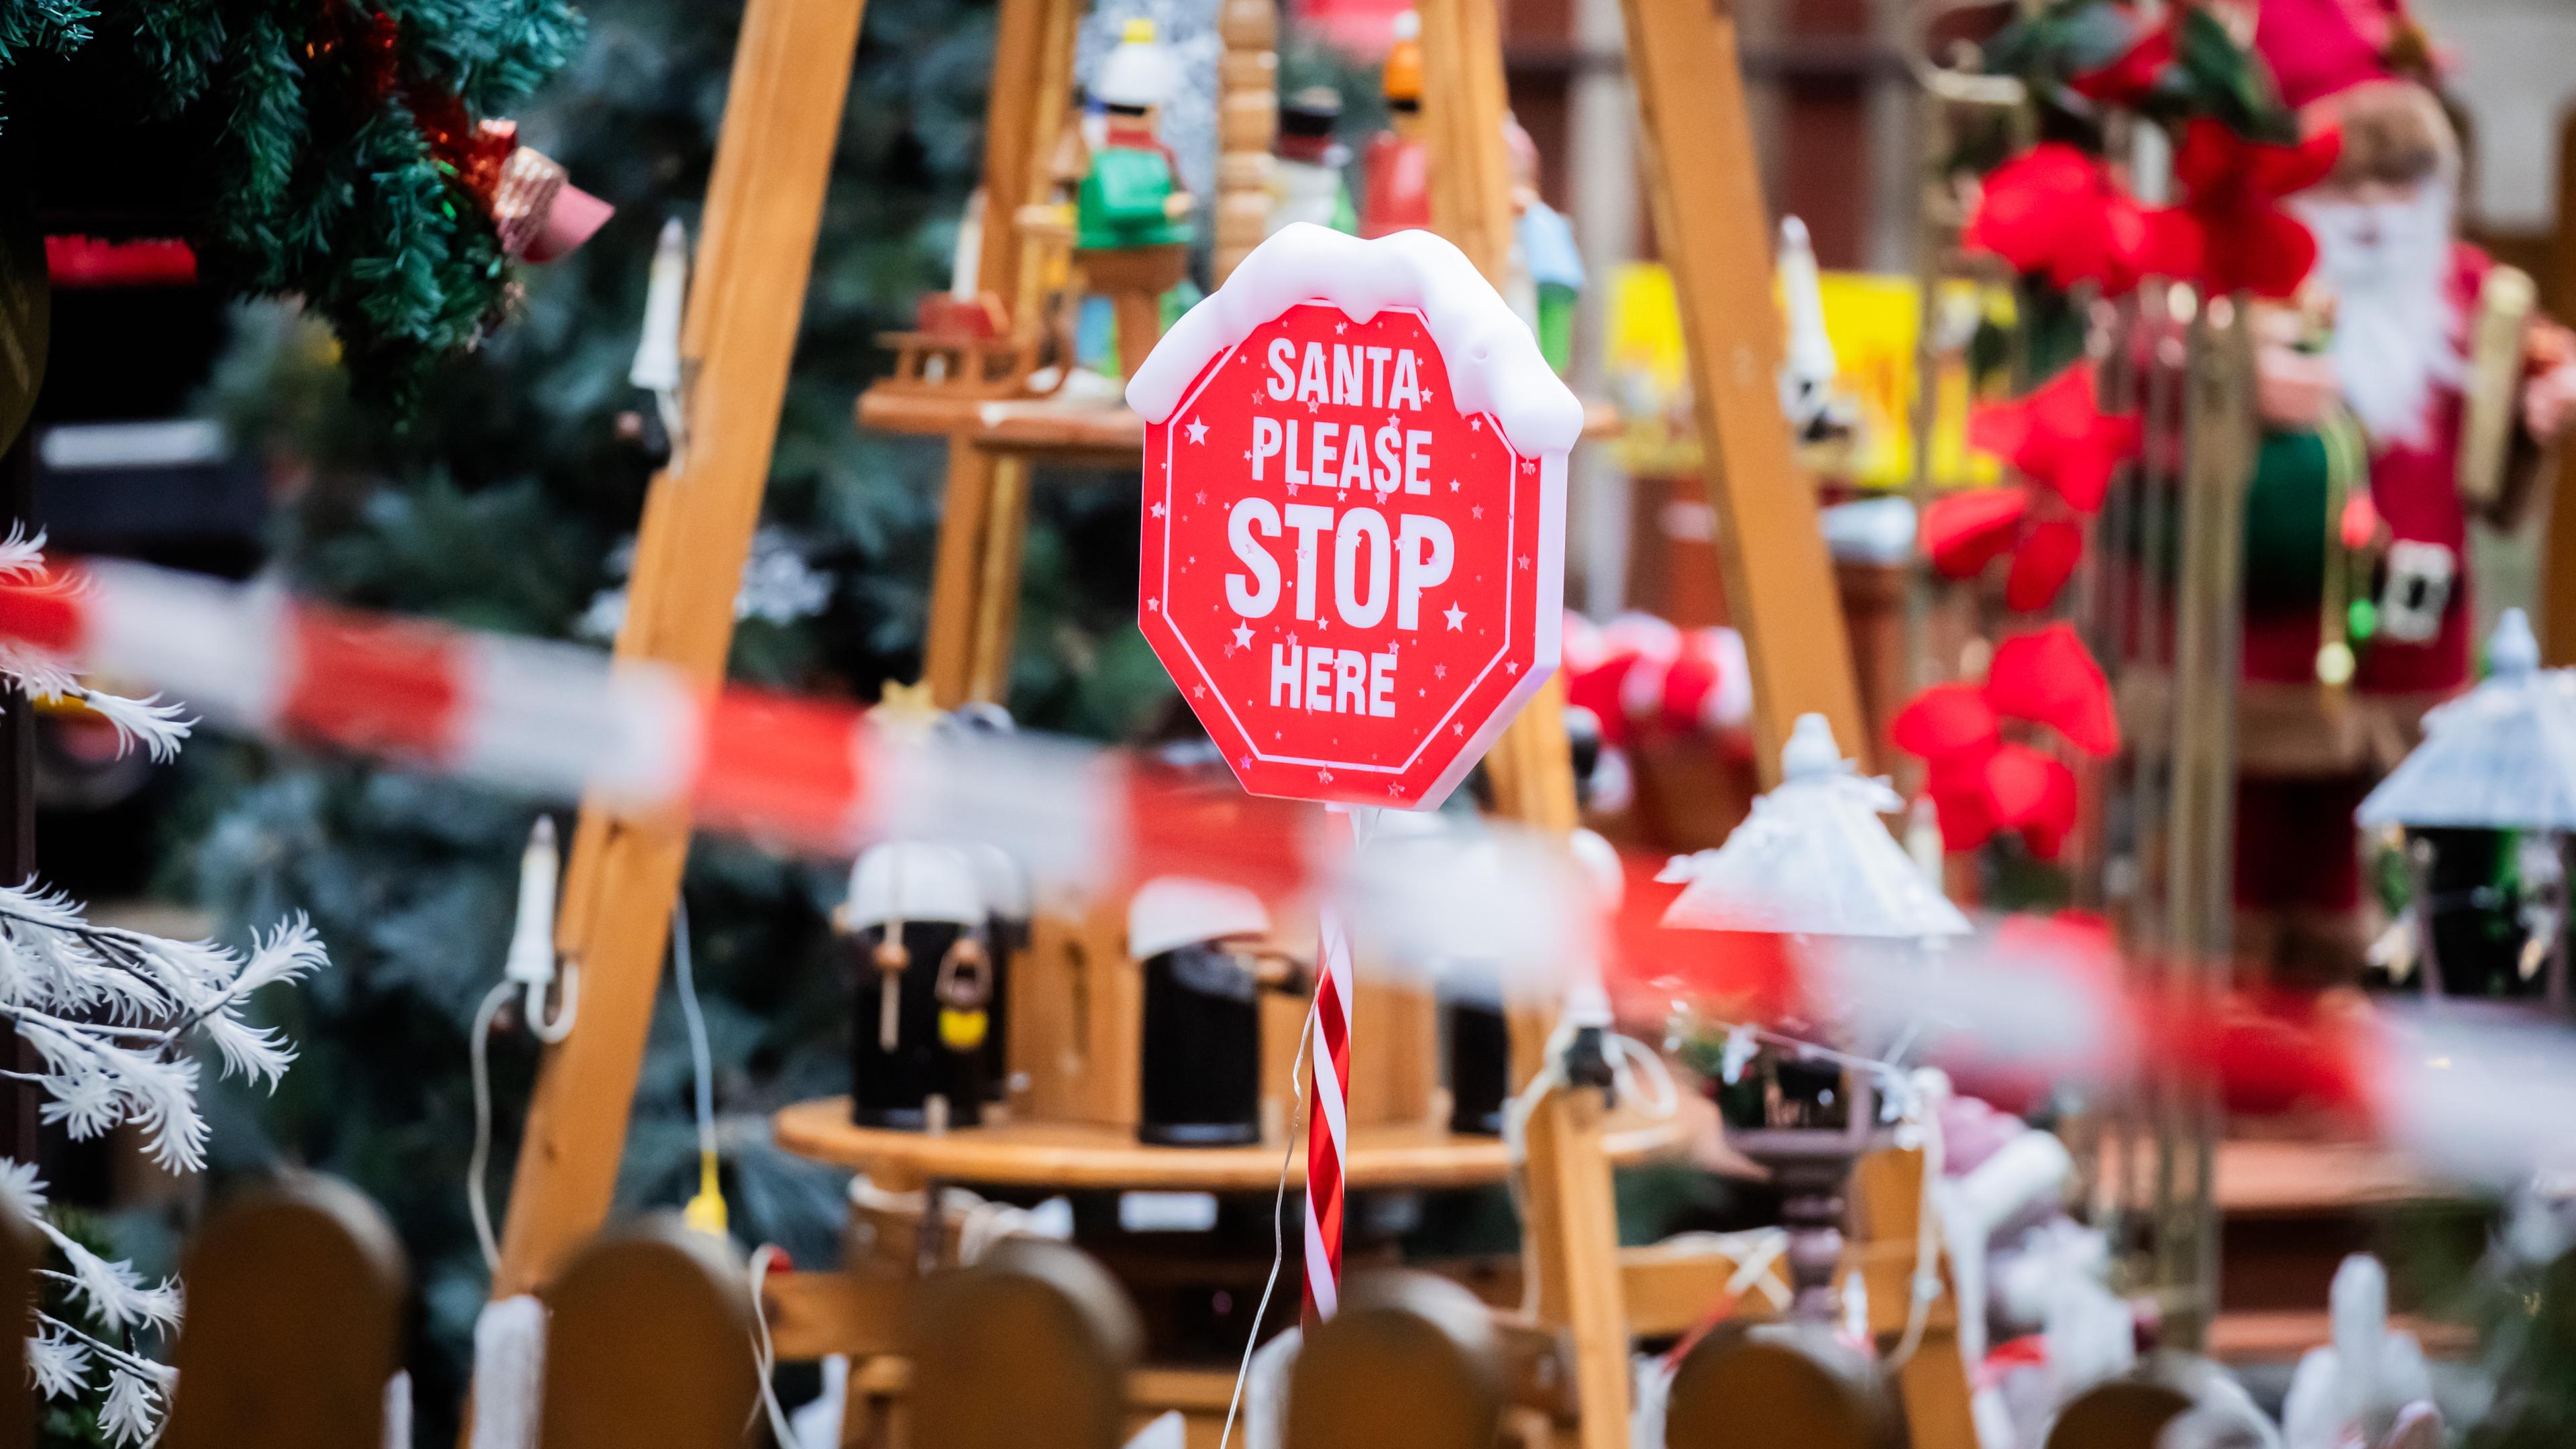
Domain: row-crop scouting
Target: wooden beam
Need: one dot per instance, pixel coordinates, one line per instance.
(1887, 1202)
(1571, 1228)
(1464, 104)
(1671, 1289)
(1712, 223)
(1020, 127)
(997, 594)
(2558, 554)
(948, 640)
(755, 250)
(848, 1312)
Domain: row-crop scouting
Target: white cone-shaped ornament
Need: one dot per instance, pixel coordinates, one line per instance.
(2501, 757)
(1813, 859)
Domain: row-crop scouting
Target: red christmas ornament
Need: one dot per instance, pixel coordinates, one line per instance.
(2230, 234)
(2058, 438)
(2054, 212)
(2049, 677)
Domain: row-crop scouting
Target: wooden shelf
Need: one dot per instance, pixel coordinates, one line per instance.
(2258, 1178)
(2270, 1335)
(1078, 1156)
(1069, 431)
(1074, 430)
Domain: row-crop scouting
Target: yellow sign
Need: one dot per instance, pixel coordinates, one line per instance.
(1874, 323)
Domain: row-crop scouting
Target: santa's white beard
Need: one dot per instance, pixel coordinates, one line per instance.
(2389, 264)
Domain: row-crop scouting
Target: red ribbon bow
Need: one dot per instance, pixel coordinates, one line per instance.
(2055, 212)
(2230, 233)
(1982, 783)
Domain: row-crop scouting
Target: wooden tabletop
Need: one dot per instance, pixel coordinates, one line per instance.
(1071, 1155)
(1077, 431)
(2288, 1177)
(2263, 1178)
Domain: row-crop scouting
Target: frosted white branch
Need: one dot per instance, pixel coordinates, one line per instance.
(108, 1014)
(158, 728)
(133, 1409)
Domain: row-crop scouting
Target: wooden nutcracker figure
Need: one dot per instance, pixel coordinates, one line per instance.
(923, 1015)
(1396, 169)
(1201, 1073)
(1306, 182)
(2415, 388)
(1132, 228)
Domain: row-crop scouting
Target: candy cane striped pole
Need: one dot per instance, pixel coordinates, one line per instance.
(1328, 1098)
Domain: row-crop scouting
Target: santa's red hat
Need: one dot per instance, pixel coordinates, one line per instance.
(2322, 48)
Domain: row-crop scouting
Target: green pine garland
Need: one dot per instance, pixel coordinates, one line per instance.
(325, 184)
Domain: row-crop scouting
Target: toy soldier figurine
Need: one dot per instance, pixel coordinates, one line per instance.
(1202, 1031)
(924, 1009)
(1306, 171)
(1396, 171)
(2444, 423)
(1131, 214)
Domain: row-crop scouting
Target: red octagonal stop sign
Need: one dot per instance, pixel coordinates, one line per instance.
(1352, 571)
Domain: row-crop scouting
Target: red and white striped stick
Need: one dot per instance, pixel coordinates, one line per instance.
(1328, 1099)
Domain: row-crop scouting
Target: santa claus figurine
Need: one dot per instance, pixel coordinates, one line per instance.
(2371, 393)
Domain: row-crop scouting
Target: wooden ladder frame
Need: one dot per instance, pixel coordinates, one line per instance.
(773, 160)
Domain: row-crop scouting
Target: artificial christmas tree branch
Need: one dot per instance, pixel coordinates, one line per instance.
(351, 150)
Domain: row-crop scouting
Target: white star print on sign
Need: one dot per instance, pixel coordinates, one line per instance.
(1197, 431)
(1154, 604)
(1457, 616)
(1477, 512)
(1243, 636)
(1524, 560)
(1453, 485)
(1158, 510)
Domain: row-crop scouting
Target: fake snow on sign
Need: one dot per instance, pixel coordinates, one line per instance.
(1352, 560)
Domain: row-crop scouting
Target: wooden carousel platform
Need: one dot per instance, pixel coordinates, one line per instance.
(1078, 430)
(1081, 1156)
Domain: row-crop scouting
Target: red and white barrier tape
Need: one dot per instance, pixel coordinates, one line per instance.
(2480, 1098)
(562, 722)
